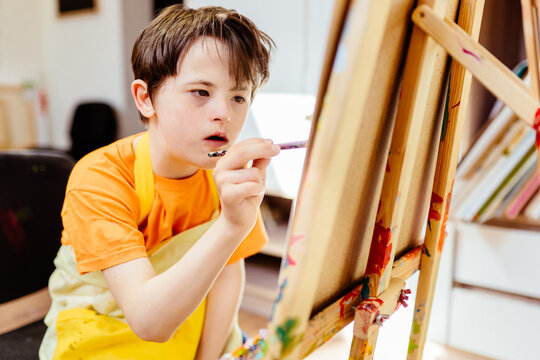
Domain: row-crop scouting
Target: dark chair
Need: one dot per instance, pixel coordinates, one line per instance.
(94, 125)
(32, 184)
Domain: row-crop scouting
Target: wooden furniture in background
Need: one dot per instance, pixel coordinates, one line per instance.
(17, 120)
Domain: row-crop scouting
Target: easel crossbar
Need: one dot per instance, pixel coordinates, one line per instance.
(328, 322)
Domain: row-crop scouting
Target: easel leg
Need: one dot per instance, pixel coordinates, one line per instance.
(369, 316)
(469, 18)
(364, 349)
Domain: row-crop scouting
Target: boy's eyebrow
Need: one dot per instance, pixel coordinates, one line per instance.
(209, 84)
(201, 82)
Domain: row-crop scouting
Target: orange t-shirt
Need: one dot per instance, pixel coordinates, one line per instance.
(101, 209)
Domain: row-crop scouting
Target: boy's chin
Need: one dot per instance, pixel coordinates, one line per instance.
(209, 164)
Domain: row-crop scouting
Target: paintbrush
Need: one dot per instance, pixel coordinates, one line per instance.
(284, 146)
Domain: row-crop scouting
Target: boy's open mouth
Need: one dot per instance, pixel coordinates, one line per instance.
(217, 140)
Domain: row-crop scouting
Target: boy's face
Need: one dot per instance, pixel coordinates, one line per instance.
(200, 110)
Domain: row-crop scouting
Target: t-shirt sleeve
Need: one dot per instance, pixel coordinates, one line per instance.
(253, 243)
(101, 229)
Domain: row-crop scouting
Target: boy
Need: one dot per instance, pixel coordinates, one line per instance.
(126, 285)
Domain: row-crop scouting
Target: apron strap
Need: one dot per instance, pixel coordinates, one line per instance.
(144, 178)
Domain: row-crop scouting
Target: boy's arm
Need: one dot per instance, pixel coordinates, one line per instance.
(222, 306)
(155, 305)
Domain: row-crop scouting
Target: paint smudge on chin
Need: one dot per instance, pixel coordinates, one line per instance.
(476, 57)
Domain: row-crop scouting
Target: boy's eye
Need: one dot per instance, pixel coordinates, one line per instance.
(201, 92)
(239, 99)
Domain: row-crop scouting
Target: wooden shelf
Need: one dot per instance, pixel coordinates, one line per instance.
(262, 273)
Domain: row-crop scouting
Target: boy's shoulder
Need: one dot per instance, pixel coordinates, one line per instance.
(106, 165)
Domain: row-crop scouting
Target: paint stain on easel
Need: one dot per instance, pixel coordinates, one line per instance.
(290, 260)
(456, 105)
(371, 305)
(381, 249)
(434, 214)
(365, 288)
(416, 326)
(442, 235)
(286, 337)
(280, 296)
(366, 350)
(346, 300)
(536, 127)
(294, 239)
(425, 250)
(476, 57)
(446, 114)
(412, 346)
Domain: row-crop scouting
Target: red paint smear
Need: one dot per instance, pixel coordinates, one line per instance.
(296, 238)
(350, 296)
(381, 249)
(434, 214)
(371, 305)
(412, 254)
(442, 235)
(459, 102)
(291, 260)
(468, 52)
(536, 127)
(388, 165)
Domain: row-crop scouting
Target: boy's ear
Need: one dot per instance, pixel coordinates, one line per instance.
(141, 96)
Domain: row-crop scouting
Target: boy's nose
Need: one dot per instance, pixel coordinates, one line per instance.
(221, 112)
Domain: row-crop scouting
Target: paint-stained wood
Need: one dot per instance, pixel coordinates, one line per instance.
(347, 258)
(373, 311)
(469, 19)
(338, 141)
(422, 74)
(487, 69)
(328, 322)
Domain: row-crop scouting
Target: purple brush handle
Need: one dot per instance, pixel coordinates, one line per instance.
(285, 146)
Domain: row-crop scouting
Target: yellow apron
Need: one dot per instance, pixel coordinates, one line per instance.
(85, 321)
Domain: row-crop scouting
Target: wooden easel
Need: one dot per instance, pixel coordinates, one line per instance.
(296, 330)
(359, 204)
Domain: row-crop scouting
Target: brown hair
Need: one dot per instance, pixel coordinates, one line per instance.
(161, 44)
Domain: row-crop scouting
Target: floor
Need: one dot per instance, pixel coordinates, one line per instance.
(338, 346)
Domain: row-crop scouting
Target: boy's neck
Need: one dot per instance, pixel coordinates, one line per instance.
(161, 166)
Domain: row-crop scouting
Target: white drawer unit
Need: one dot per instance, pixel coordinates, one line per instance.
(495, 325)
(498, 258)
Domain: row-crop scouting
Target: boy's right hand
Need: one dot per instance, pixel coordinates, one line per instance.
(241, 189)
